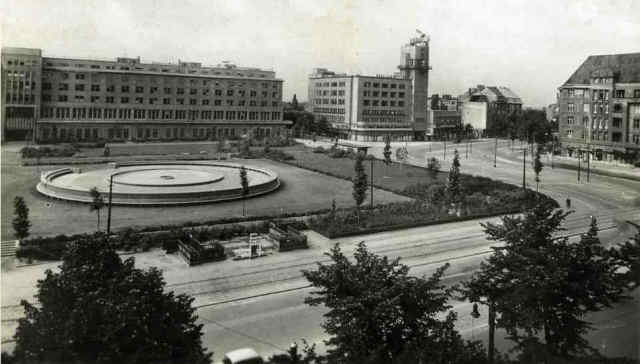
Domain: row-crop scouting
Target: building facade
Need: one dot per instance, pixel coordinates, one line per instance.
(474, 113)
(499, 101)
(369, 108)
(599, 108)
(59, 99)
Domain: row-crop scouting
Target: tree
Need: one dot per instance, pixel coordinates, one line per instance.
(542, 285)
(21, 223)
(433, 166)
(469, 131)
(628, 256)
(453, 185)
(244, 184)
(97, 203)
(537, 167)
(401, 154)
(377, 313)
(387, 150)
(101, 309)
(359, 181)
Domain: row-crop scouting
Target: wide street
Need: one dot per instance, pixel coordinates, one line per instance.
(260, 303)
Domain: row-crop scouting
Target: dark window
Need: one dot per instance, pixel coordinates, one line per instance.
(80, 87)
(139, 89)
(125, 88)
(617, 122)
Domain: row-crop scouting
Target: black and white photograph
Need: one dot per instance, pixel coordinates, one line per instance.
(320, 182)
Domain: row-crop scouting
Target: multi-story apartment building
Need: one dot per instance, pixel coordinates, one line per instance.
(442, 102)
(372, 107)
(599, 107)
(78, 99)
(498, 100)
(444, 116)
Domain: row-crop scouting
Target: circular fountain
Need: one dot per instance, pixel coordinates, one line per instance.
(167, 183)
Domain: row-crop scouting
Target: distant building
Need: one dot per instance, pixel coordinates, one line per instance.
(443, 115)
(498, 99)
(474, 113)
(442, 102)
(599, 107)
(64, 99)
(369, 108)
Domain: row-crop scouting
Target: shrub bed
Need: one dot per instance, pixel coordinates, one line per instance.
(45, 152)
(422, 212)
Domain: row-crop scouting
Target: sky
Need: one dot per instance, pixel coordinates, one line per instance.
(532, 47)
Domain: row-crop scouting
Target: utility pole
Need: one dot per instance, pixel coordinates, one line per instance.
(524, 168)
(110, 200)
(444, 157)
(589, 165)
(495, 153)
(579, 160)
(492, 329)
(371, 181)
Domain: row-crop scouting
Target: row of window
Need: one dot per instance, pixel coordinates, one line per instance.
(153, 90)
(602, 123)
(391, 103)
(329, 93)
(76, 113)
(20, 98)
(204, 71)
(598, 108)
(154, 79)
(21, 62)
(157, 101)
(600, 94)
(383, 112)
(326, 110)
(384, 85)
(328, 101)
(382, 94)
(386, 120)
(330, 84)
(147, 133)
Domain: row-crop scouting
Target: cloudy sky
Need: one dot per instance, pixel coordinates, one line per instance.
(530, 46)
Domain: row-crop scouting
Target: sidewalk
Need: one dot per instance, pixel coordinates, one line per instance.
(611, 169)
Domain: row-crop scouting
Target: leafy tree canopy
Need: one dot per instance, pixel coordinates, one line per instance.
(101, 309)
(543, 285)
(380, 314)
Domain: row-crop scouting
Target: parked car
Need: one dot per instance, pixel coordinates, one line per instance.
(242, 356)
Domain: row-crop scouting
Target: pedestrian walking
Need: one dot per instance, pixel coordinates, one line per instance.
(568, 203)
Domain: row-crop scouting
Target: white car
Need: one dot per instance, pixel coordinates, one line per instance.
(242, 356)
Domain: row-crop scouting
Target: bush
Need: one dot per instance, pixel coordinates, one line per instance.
(47, 152)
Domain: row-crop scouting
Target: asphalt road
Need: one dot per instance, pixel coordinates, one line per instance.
(260, 303)
(270, 322)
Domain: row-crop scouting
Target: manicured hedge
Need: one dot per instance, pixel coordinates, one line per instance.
(423, 212)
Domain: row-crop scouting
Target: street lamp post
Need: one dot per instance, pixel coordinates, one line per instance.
(110, 200)
(524, 169)
(495, 153)
(371, 181)
(444, 156)
(579, 160)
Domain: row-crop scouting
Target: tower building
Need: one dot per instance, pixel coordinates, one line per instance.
(370, 108)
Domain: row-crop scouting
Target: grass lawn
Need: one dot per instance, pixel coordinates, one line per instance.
(393, 177)
(302, 190)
